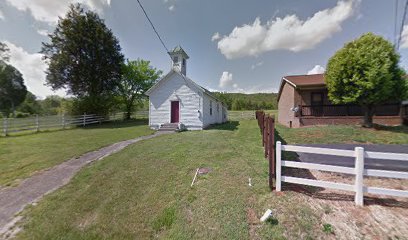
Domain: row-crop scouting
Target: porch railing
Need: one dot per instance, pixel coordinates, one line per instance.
(347, 110)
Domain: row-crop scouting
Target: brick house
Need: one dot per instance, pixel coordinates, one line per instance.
(303, 101)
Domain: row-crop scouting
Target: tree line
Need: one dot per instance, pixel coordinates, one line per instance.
(85, 59)
(255, 101)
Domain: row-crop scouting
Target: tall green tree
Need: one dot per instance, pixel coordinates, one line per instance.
(365, 72)
(85, 59)
(138, 76)
(30, 105)
(12, 88)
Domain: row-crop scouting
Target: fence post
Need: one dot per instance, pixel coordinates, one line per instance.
(84, 120)
(264, 117)
(5, 126)
(359, 170)
(63, 120)
(37, 123)
(278, 166)
(266, 136)
(271, 154)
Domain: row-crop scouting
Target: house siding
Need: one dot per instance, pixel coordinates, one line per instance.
(175, 89)
(216, 116)
(286, 102)
(349, 120)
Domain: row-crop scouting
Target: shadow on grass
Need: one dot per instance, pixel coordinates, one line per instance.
(228, 126)
(295, 172)
(395, 129)
(368, 200)
(118, 124)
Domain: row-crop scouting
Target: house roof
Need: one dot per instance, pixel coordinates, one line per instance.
(188, 82)
(179, 50)
(306, 80)
(302, 81)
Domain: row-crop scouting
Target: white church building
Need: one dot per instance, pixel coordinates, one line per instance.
(177, 102)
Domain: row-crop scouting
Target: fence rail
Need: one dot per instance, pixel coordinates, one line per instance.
(40, 123)
(347, 110)
(359, 154)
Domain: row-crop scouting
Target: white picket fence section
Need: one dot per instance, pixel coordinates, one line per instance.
(359, 171)
(41, 123)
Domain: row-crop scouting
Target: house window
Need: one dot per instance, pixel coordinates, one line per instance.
(184, 62)
(317, 99)
(210, 107)
(175, 59)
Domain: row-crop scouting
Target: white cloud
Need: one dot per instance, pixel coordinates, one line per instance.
(215, 37)
(226, 80)
(43, 32)
(258, 64)
(404, 37)
(33, 69)
(255, 89)
(49, 10)
(1, 15)
(316, 70)
(172, 8)
(290, 32)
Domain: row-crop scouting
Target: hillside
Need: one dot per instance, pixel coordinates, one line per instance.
(255, 101)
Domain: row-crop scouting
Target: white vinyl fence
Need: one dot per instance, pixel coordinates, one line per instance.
(42, 123)
(359, 154)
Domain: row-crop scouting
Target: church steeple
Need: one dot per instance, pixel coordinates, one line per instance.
(179, 60)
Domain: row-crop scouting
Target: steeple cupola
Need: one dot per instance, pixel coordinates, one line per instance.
(179, 60)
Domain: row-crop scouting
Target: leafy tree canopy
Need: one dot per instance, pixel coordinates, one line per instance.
(366, 72)
(30, 105)
(12, 88)
(241, 101)
(85, 58)
(138, 76)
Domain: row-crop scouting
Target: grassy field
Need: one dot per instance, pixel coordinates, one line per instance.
(344, 134)
(333, 133)
(21, 156)
(144, 191)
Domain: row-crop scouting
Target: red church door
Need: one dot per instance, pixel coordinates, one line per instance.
(175, 111)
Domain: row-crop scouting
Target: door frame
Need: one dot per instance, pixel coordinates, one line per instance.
(179, 112)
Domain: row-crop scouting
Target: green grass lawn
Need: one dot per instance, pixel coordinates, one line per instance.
(344, 134)
(21, 156)
(144, 191)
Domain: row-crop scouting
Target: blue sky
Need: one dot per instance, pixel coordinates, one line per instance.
(257, 43)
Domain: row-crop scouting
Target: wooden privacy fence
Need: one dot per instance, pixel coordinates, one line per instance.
(266, 124)
(359, 171)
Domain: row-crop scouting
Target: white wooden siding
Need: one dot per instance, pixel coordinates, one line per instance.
(175, 88)
(216, 116)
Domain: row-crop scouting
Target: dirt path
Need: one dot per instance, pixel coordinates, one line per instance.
(13, 200)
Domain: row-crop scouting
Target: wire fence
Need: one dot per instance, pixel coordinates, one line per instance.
(55, 122)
